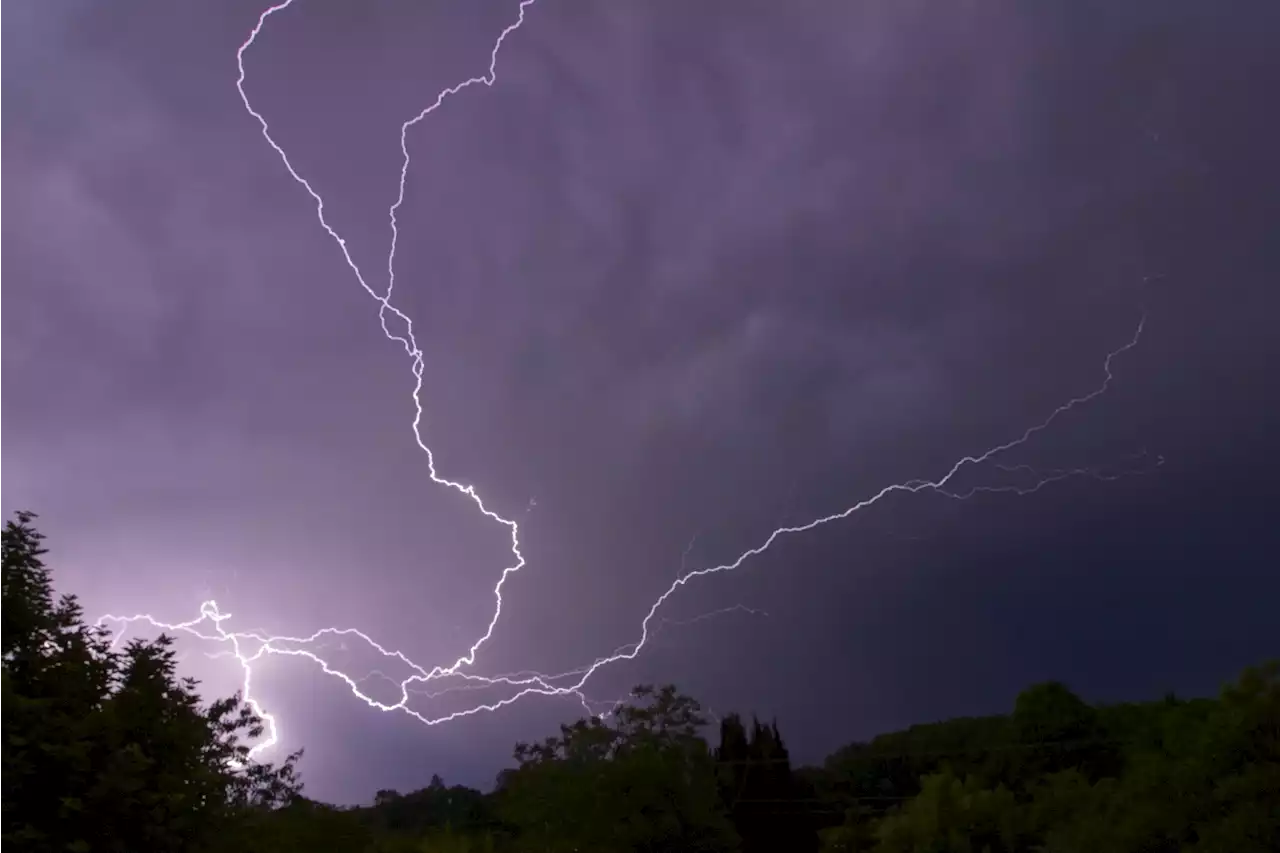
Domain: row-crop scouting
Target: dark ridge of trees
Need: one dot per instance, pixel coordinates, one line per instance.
(436, 806)
(109, 750)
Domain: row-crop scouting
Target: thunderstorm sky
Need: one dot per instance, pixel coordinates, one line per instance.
(687, 273)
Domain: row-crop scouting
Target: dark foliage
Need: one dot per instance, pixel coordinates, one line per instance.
(109, 750)
(767, 802)
(642, 780)
(1060, 775)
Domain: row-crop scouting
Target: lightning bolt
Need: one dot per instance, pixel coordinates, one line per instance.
(248, 647)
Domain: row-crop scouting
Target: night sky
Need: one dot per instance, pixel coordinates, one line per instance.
(687, 272)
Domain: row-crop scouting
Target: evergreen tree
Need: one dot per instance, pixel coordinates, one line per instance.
(766, 802)
(109, 750)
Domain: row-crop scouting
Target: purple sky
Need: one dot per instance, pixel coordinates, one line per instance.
(687, 270)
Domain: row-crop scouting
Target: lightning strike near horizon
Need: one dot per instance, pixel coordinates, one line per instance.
(248, 647)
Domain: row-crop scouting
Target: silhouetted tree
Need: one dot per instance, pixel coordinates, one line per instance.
(435, 808)
(767, 803)
(109, 750)
(643, 780)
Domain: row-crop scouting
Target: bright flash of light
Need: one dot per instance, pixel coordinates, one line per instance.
(248, 647)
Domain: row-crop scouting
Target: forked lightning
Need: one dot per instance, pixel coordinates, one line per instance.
(248, 647)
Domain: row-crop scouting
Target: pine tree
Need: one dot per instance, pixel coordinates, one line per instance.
(759, 789)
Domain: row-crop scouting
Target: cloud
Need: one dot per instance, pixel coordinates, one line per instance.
(711, 215)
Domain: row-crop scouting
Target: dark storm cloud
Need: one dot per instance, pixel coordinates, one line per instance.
(687, 269)
(709, 202)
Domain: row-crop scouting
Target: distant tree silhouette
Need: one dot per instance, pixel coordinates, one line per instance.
(643, 780)
(766, 801)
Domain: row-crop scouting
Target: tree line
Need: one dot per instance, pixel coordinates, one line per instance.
(108, 749)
